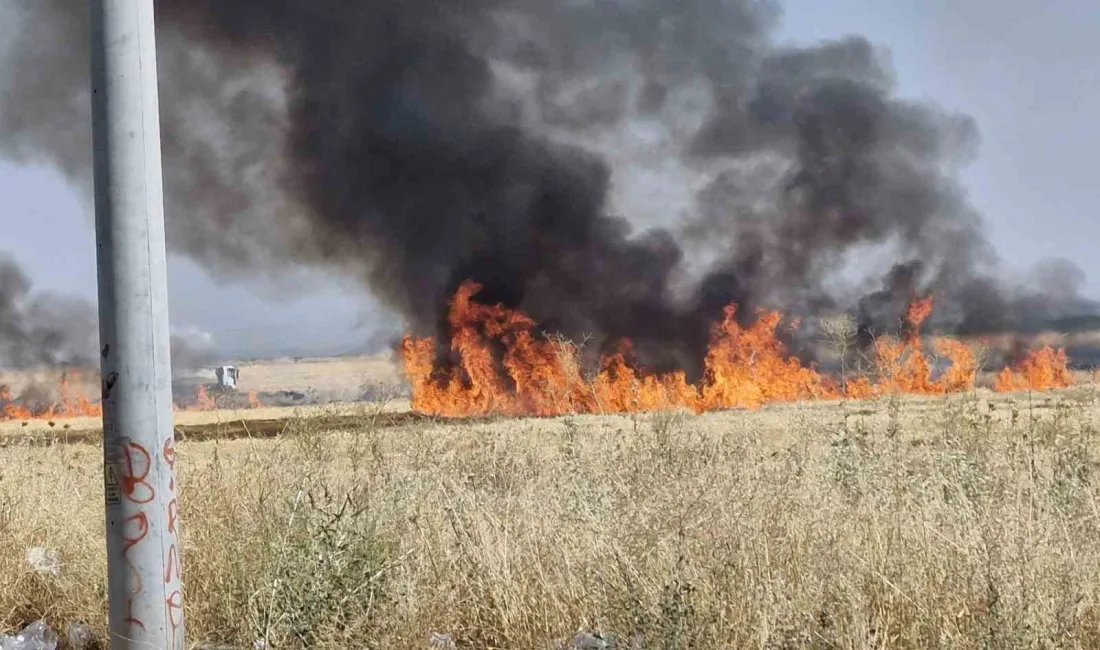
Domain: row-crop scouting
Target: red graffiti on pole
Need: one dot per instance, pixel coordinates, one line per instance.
(172, 512)
(136, 488)
(136, 464)
(172, 571)
(174, 604)
(134, 531)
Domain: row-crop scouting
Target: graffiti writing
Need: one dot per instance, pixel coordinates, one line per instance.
(172, 571)
(136, 464)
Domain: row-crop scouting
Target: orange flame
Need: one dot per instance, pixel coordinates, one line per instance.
(749, 366)
(916, 313)
(203, 401)
(531, 377)
(903, 365)
(501, 367)
(11, 410)
(71, 402)
(1042, 369)
(619, 388)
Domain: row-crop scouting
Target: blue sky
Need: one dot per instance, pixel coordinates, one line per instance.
(1025, 71)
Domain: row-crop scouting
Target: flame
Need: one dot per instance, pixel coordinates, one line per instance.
(749, 366)
(1043, 369)
(203, 401)
(916, 313)
(70, 402)
(497, 365)
(745, 367)
(12, 411)
(532, 376)
(73, 402)
(962, 374)
(903, 366)
(619, 388)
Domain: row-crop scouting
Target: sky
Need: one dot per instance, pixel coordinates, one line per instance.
(1024, 70)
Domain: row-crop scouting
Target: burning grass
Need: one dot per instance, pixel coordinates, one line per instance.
(65, 400)
(41, 396)
(745, 367)
(965, 521)
(69, 399)
(504, 367)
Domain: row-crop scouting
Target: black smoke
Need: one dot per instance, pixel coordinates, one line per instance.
(418, 144)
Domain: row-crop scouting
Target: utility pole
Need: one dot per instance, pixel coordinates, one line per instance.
(142, 515)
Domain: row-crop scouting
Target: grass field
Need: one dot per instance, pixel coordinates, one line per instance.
(965, 522)
(338, 377)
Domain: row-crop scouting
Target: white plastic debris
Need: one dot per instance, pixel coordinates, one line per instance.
(44, 560)
(586, 641)
(36, 636)
(79, 635)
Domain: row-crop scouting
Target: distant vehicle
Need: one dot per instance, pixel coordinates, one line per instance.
(227, 377)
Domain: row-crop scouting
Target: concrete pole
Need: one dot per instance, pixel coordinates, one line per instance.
(142, 515)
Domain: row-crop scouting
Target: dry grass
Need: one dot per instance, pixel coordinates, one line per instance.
(968, 522)
(13, 430)
(341, 376)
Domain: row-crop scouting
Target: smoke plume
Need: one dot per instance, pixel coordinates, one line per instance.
(42, 329)
(192, 349)
(417, 144)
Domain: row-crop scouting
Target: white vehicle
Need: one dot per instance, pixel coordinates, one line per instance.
(227, 377)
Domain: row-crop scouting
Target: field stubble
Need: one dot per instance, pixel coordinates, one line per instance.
(961, 522)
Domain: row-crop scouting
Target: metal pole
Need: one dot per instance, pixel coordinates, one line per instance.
(142, 515)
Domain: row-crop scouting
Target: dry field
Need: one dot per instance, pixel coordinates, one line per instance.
(340, 377)
(328, 379)
(961, 522)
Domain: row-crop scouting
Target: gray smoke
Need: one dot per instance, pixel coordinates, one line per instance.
(417, 144)
(191, 350)
(42, 329)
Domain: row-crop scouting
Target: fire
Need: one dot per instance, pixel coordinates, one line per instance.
(12, 411)
(203, 401)
(903, 366)
(962, 374)
(73, 402)
(532, 376)
(745, 367)
(500, 366)
(1042, 369)
(749, 366)
(69, 401)
(918, 311)
(619, 388)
